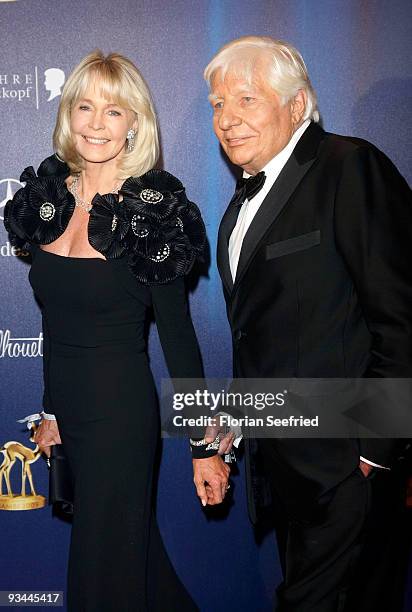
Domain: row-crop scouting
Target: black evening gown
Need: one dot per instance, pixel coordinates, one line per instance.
(101, 390)
(96, 372)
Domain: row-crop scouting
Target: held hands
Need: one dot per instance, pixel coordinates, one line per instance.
(47, 434)
(226, 437)
(211, 476)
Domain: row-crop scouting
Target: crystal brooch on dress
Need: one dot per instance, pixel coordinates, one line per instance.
(150, 196)
(140, 233)
(47, 211)
(161, 254)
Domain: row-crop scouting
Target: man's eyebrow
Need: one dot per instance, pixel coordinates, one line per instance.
(248, 89)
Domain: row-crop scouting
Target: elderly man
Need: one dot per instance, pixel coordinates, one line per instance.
(314, 254)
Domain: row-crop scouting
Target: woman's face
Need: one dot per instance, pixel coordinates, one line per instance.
(99, 127)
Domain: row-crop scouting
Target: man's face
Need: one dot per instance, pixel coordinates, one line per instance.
(249, 121)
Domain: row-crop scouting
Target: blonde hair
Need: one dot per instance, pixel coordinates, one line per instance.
(286, 70)
(120, 82)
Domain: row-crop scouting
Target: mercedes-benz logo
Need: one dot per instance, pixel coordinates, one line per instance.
(8, 188)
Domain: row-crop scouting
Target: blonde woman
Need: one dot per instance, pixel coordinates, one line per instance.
(99, 263)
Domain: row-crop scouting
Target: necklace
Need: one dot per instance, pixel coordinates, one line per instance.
(85, 204)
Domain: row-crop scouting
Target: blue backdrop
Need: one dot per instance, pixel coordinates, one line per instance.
(357, 54)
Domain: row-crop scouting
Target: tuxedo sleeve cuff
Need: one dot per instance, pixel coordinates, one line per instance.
(382, 467)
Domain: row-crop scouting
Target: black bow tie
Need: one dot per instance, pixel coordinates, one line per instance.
(248, 188)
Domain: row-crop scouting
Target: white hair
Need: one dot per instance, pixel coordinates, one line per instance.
(286, 70)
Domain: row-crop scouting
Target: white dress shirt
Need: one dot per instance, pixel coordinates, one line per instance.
(248, 211)
(250, 208)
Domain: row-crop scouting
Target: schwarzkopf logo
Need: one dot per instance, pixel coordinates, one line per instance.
(20, 347)
(20, 86)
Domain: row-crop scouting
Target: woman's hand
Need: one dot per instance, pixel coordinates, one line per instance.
(211, 476)
(47, 434)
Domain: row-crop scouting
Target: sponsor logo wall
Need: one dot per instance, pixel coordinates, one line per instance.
(13, 347)
(27, 85)
(8, 187)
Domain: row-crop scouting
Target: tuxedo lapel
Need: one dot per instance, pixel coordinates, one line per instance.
(292, 174)
(226, 227)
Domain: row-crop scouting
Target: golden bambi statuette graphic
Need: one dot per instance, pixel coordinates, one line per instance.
(12, 451)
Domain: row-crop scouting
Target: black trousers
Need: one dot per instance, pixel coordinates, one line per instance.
(350, 556)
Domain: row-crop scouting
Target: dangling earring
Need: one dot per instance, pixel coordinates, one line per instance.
(130, 140)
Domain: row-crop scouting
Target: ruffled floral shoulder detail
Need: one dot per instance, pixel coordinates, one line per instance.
(41, 210)
(150, 220)
(154, 223)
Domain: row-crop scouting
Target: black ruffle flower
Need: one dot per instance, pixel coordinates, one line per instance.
(166, 255)
(39, 212)
(108, 225)
(154, 194)
(53, 166)
(166, 233)
(17, 237)
(190, 222)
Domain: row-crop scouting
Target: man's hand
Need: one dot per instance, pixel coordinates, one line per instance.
(46, 435)
(365, 468)
(226, 439)
(211, 476)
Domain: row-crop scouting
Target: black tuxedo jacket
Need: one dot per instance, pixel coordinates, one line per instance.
(323, 289)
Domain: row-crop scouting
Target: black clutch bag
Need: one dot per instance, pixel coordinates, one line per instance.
(61, 490)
